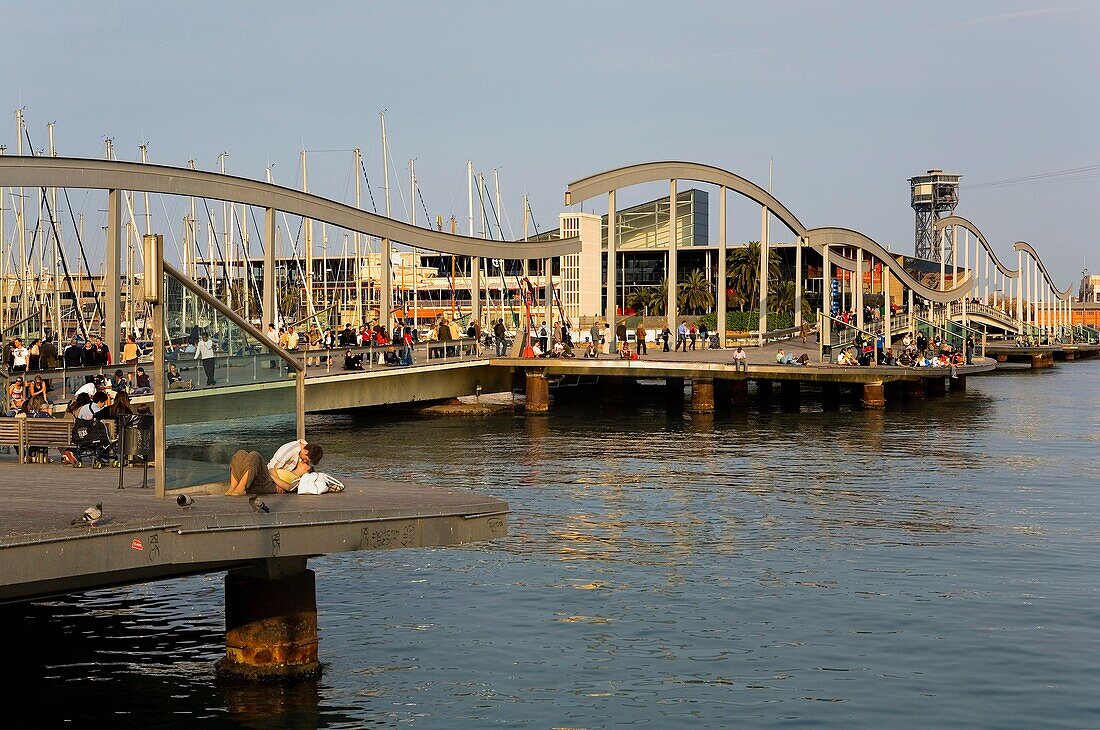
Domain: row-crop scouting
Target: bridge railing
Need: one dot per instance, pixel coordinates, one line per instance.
(826, 347)
(374, 356)
(955, 334)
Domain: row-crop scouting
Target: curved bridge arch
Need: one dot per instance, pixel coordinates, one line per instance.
(64, 172)
(817, 238)
(958, 220)
(623, 177)
(1030, 250)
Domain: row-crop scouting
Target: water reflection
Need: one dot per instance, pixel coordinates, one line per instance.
(667, 569)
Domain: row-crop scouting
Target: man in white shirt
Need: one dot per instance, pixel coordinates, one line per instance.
(739, 364)
(19, 357)
(288, 455)
(204, 352)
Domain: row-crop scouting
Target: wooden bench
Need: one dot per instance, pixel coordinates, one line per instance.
(11, 434)
(53, 433)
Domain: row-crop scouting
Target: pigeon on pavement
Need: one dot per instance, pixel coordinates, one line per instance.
(256, 505)
(185, 500)
(90, 516)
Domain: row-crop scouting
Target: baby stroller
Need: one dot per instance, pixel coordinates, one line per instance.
(93, 442)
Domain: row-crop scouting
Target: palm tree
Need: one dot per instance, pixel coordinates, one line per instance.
(695, 295)
(743, 273)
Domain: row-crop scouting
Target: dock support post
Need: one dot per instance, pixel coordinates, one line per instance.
(764, 394)
(739, 392)
(1042, 360)
(702, 395)
(790, 396)
(874, 396)
(830, 396)
(271, 622)
(915, 389)
(958, 384)
(538, 394)
(674, 393)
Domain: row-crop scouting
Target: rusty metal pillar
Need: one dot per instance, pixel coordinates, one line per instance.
(702, 395)
(874, 396)
(538, 393)
(270, 622)
(790, 396)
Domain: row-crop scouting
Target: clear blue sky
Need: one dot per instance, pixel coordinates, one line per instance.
(849, 98)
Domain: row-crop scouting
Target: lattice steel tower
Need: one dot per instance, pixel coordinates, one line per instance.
(935, 194)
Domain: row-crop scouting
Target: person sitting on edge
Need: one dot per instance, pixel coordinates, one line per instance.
(353, 362)
(590, 350)
(175, 380)
(739, 363)
(142, 386)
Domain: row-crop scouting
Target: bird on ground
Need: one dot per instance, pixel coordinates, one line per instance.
(185, 500)
(256, 505)
(90, 516)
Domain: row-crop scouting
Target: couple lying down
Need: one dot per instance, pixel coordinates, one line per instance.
(248, 474)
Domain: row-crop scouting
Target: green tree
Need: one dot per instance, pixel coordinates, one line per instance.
(743, 274)
(695, 295)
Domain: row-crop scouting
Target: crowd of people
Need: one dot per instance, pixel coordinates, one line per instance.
(915, 351)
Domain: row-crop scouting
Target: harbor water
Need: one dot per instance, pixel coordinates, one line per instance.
(934, 564)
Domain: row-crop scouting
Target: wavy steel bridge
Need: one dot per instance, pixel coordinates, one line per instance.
(270, 606)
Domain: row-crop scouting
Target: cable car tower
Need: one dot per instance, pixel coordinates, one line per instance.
(935, 194)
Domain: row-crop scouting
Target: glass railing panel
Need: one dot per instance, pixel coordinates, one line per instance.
(227, 390)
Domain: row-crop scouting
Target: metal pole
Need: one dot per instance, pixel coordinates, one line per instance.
(720, 320)
(358, 248)
(113, 309)
(763, 277)
(857, 288)
(610, 310)
(270, 313)
(670, 279)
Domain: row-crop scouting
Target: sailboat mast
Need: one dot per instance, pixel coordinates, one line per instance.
(20, 221)
(415, 253)
(227, 256)
(358, 248)
(309, 236)
(3, 255)
(385, 302)
(56, 229)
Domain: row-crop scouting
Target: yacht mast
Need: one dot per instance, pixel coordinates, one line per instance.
(385, 303)
(358, 239)
(227, 241)
(20, 221)
(415, 253)
(309, 237)
(3, 256)
(58, 329)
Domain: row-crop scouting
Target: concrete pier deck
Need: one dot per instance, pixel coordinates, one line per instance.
(146, 539)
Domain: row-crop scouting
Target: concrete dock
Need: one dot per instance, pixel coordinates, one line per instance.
(144, 539)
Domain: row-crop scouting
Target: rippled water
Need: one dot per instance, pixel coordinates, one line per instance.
(934, 564)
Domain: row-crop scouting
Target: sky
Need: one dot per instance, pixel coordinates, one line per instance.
(845, 100)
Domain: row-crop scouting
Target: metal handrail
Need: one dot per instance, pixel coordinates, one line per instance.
(956, 336)
(823, 318)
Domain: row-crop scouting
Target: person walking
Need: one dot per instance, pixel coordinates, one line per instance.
(639, 342)
(681, 336)
(544, 337)
(969, 349)
(666, 333)
(693, 334)
(594, 333)
(498, 337)
(704, 335)
(204, 353)
(620, 338)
